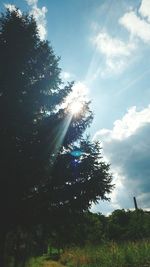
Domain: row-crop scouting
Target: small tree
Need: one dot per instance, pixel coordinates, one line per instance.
(80, 177)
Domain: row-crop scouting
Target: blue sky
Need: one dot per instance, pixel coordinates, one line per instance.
(104, 46)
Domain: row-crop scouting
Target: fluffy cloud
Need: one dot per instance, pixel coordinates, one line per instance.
(66, 75)
(112, 47)
(11, 8)
(40, 17)
(136, 26)
(126, 147)
(32, 2)
(145, 9)
(138, 23)
(128, 125)
(116, 51)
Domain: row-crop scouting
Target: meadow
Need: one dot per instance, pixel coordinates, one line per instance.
(111, 254)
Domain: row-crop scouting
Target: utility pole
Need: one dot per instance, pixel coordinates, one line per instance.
(135, 203)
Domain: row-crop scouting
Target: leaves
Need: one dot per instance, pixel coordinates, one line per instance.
(38, 173)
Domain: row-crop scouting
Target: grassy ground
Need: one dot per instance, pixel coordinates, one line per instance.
(41, 262)
(133, 254)
(52, 264)
(111, 255)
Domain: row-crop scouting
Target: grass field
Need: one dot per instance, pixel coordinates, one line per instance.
(110, 255)
(40, 262)
(133, 254)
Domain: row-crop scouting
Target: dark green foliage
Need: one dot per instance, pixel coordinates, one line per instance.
(90, 230)
(86, 177)
(31, 92)
(26, 64)
(128, 225)
(85, 229)
(41, 181)
(93, 229)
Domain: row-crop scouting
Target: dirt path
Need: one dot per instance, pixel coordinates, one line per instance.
(53, 264)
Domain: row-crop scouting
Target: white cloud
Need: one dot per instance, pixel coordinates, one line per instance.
(145, 9)
(40, 17)
(66, 75)
(128, 125)
(11, 8)
(116, 51)
(112, 47)
(80, 88)
(32, 2)
(136, 26)
(126, 147)
(119, 54)
(138, 23)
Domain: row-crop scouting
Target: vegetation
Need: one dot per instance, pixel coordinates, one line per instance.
(135, 254)
(95, 229)
(49, 172)
(42, 262)
(128, 254)
(121, 239)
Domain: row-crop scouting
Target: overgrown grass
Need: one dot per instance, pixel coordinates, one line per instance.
(133, 254)
(42, 262)
(35, 262)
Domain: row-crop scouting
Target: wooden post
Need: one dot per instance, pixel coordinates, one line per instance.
(135, 203)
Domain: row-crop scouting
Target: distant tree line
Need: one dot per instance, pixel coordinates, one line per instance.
(95, 228)
(89, 229)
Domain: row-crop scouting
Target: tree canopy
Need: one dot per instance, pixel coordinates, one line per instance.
(40, 171)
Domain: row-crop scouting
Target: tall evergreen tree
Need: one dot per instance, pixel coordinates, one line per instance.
(39, 169)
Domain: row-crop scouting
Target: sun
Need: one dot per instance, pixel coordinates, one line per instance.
(75, 107)
(74, 103)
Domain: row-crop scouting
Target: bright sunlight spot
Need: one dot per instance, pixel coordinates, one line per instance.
(75, 107)
(74, 102)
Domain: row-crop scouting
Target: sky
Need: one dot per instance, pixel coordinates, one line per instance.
(104, 46)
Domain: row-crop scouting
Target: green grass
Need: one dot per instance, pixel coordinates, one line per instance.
(33, 262)
(133, 254)
(42, 262)
(36, 262)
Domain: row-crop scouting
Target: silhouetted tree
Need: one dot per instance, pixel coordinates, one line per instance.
(30, 92)
(40, 173)
(86, 177)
